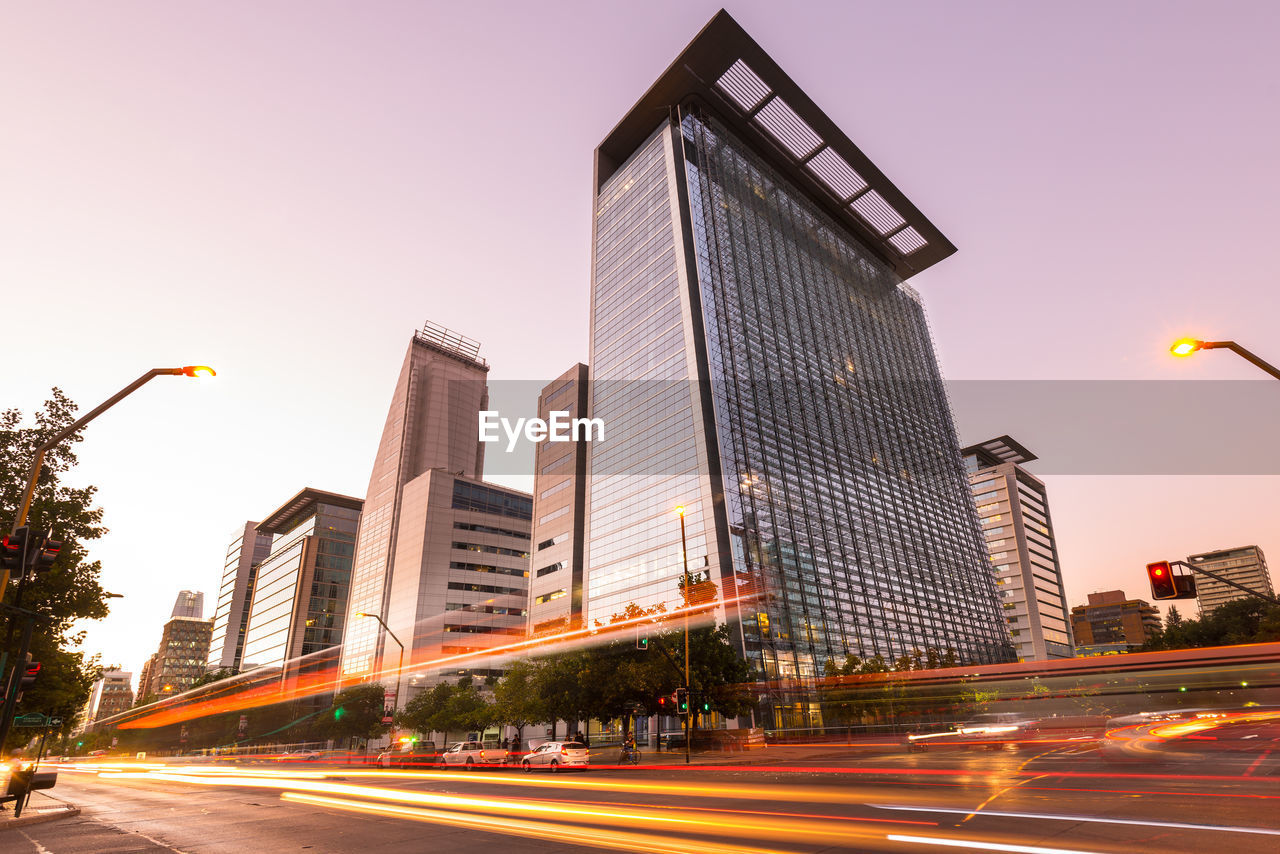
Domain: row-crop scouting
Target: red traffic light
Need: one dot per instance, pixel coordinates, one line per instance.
(1161, 577)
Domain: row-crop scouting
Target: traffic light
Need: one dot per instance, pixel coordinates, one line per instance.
(46, 551)
(13, 553)
(30, 672)
(662, 706)
(1160, 574)
(642, 641)
(706, 705)
(682, 701)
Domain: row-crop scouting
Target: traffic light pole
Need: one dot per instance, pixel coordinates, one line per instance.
(15, 674)
(684, 552)
(1273, 600)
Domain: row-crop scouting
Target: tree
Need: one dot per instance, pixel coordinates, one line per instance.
(423, 712)
(1239, 621)
(515, 702)
(356, 712)
(70, 590)
(213, 676)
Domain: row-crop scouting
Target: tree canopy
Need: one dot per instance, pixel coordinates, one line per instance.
(1239, 621)
(70, 591)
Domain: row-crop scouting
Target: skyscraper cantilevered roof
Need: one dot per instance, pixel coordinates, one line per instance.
(725, 71)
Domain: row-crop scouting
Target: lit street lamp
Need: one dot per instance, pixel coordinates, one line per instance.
(400, 670)
(1187, 346)
(38, 462)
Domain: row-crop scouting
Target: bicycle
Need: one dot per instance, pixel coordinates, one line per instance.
(630, 755)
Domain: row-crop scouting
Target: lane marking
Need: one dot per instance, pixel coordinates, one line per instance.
(1265, 831)
(1256, 763)
(1003, 791)
(40, 849)
(987, 846)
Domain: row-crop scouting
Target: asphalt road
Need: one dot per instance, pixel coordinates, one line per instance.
(1062, 798)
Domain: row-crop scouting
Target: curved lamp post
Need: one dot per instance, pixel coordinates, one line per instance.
(1187, 346)
(400, 671)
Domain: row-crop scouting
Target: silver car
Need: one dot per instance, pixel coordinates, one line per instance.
(557, 756)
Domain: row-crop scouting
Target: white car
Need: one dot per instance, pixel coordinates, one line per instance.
(557, 755)
(472, 754)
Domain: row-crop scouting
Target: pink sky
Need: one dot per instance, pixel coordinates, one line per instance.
(285, 190)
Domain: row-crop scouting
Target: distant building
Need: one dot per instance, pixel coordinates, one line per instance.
(1013, 506)
(144, 678)
(559, 492)
(189, 604)
(300, 594)
(240, 569)
(180, 660)
(431, 428)
(1245, 565)
(110, 695)
(1111, 618)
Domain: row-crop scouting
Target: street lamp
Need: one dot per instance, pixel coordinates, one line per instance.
(684, 554)
(38, 462)
(1187, 346)
(400, 670)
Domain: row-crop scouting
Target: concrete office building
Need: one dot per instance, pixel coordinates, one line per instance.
(1013, 507)
(299, 603)
(1112, 622)
(460, 580)
(428, 464)
(758, 358)
(559, 493)
(239, 570)
(1246, 566)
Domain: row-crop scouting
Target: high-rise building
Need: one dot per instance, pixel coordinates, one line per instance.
(189, 603)
(459, 582)
(1013, 507)
(431, 425)
(559, 493)
(111, 694)
(758, 358)
(249, 549)
(1112, 622)
(1246, 566)
(299, 602)
(180, 659)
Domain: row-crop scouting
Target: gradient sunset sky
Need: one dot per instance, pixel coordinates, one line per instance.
(286, 190)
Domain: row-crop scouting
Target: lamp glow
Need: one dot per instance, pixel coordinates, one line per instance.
(199, 371)
(680, 510)
(1185, 346)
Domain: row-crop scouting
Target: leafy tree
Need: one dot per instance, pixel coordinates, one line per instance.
(423, 712)
(1239, 621)
(213, 676)
(70, 591)
(356, 712)
(516, 704)
(466, 709)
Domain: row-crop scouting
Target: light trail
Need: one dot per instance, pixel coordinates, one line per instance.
(1084, 818)
(983, 845)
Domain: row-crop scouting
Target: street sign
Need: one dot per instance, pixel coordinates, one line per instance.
(35, 719)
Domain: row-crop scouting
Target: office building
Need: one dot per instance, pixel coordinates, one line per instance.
(111, 694)
(758, 358)
(1112, 622)
(431, 426)
(459, 583)
(559, 493)
(1013, 507)
(299, 602)
(180, 659)
(188, 604)
(247, 551)
(1246, 566)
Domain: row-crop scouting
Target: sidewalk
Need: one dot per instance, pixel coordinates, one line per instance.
(40, 808)
(608, 756)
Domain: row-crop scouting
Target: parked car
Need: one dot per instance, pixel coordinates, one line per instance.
(472, 754)
(419, 755)
(301, 756)
(557, 756)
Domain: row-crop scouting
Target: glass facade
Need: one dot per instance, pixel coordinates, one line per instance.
(827, 455)
(231, 616)
(300, 595)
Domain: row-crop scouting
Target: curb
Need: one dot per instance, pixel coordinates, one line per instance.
(68, 810)
(41, 818)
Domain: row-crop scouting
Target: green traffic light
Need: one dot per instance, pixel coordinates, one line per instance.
(338, 713)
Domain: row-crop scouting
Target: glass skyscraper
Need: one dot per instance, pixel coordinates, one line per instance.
(758, 358)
